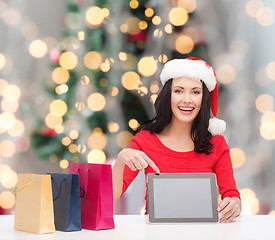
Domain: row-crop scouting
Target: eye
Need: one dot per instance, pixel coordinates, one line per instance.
(177, 91)
(196, 92)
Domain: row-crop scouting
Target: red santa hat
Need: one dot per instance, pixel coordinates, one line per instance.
(198, 69)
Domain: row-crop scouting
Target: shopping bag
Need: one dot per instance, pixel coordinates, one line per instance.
(97, 204)
(66, 201)
(34, 204)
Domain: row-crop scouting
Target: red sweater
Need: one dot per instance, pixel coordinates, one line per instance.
(169, 161)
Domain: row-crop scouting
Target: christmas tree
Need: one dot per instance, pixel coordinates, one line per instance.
(104, 74)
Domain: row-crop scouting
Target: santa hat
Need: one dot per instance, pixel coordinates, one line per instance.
(198, 69)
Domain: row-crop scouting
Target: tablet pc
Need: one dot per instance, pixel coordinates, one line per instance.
(182, 197)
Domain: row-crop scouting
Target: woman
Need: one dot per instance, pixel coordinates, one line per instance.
(182, 137)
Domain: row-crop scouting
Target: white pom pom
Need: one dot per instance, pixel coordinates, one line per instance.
(216, 126)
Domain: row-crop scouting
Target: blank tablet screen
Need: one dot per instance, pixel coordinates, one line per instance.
(183, 197)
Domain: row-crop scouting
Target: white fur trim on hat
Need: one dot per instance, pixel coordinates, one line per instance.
(216, 126)
(189, 68)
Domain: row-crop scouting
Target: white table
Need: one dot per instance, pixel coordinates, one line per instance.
(131, 227)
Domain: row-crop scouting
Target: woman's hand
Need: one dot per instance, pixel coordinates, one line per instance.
(136, 160)
(229, 208)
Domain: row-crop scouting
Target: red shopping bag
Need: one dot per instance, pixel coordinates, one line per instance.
(97, 204)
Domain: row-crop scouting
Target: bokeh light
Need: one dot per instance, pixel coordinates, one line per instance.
(96, 156)
(133, 4)
(237, 157)
(17, 129)
(60, 75)
(81, 148)
(7, 148)
(184, 44)
(250, 203)
(226, 74)
(52, 121)
(64, 164)
(38, 48)
(132, 25)
(252, 7)
(156, 20)
(73, 148)
(3, 85)
(124, 138)
(96, 102)
(168, 28)
(68, 60)
(149, 12)
(264, 103)
(178, 16)
(58, 107)
(9, 106)
(188, 5)
(130, 80)
(153, 98)
(97, 140)
(267, 128)
(94, 16)
(12, 92)
(2, 61)
(92, 60)
(270, 70)
(113, 127)
(265, 16)
(74, 134)
(7, 120)
(9, 179)
(7, 200)
(147, 66)
(66, 141)
(133, 123)
(12, 17)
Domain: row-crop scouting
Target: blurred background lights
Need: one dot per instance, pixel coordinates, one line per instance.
(38, 48)
(149, 12)
(97, 140)
(113, 127)
(130, 80)
(12, 17)
(7, 148)
(9, 179)
(17, 129)
(156, 20)
(68, 60)
(63, 88)
(226, 74)
(73, 148)
(270, 70)
(265, 16)
(92, 60)
(252, 7)
(58, 107)
(66, 141)
(265, 103)
(106, 12)
(96, 102)
(2, 61)
(74, 134)
(9, 106)
(7, 200)
(267, 128)
(53, 121)
(81, 148)
(133, 4)
(178, 16)
(147, 66)
(12, 92)
(7, 120)
(64, 164)
(188, 5)
(237, 157)
(184, 44)
(133, 123)
(153, 98)
(60, 75)
(3, 85)
(94, 16)
(96, 156)
(168, 28)
(85, 80)
(143, 25)
(124, 138)
(250, 203)
(132, 25)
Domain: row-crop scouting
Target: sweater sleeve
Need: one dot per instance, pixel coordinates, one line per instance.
(129, 175)
(224, 171)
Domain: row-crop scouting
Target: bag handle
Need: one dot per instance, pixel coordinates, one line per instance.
(13, 190)
(86, 183)
(60, 186)
(84, 193)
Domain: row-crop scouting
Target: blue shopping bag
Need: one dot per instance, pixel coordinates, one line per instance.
(66, 201)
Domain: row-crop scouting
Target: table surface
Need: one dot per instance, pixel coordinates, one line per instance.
(133, 227)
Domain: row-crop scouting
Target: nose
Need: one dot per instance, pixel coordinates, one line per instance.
(186, 98)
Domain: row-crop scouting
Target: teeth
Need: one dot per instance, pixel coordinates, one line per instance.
(186, 109)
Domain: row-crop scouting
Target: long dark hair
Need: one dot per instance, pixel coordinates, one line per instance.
(199, 131)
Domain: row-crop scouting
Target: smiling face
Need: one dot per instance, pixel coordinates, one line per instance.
(186, 99)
